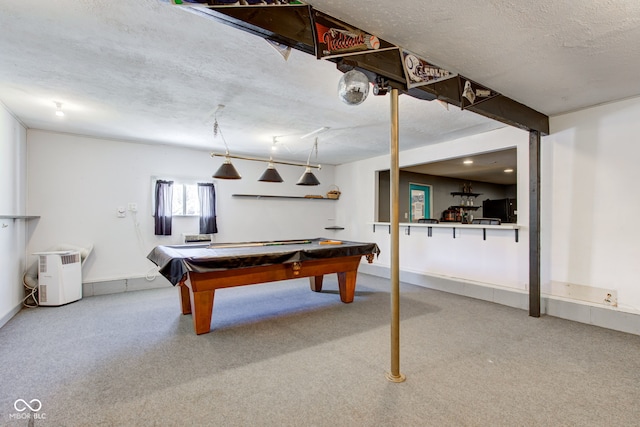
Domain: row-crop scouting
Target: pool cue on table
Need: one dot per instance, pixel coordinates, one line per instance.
(259, 244)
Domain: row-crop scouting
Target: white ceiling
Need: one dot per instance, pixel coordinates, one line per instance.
(148, 71)
(483, 167)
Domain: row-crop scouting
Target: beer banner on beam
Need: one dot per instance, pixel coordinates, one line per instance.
(334, 38)
(419, 72)
(472, 93)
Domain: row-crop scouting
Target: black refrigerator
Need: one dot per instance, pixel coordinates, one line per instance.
(505, 209)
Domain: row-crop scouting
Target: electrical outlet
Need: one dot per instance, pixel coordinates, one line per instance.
(133, 207)
(610, 300)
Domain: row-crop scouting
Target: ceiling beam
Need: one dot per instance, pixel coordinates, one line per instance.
(293, 26)
(290, 25)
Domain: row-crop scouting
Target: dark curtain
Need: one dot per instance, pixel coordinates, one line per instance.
(163, 208)
(207, 196)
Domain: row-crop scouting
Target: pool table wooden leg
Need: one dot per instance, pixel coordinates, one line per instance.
(185, 299)
(316, 283)
(202, 309)
(347, 284)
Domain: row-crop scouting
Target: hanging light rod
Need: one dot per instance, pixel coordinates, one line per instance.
(253, 159)
(315, 132)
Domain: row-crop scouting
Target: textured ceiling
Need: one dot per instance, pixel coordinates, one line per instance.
(148, 71)
(485, 167)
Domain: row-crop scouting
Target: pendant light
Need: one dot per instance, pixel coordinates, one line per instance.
(226, 170)
(308, 178)
(271, 174)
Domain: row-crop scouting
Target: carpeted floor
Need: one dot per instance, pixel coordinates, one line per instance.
(280, 355)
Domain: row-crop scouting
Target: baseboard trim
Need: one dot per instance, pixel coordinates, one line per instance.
(123, 285)
(4, 319)
(577, 311)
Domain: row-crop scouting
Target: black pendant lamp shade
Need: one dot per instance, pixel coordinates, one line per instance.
(227, 171)
(271, 174)
(308, 178)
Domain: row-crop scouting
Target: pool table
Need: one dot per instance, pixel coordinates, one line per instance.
(199, 270)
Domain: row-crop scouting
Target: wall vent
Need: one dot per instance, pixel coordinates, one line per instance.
(197, 238)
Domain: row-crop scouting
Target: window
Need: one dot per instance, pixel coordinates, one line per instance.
(185, 199)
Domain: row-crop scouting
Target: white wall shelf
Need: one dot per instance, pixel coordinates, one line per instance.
(17, 217)
(265, 196)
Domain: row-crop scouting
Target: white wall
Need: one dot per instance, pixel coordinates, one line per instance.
(497, 261)
(77, 183)
(590, 202)
(12, 201)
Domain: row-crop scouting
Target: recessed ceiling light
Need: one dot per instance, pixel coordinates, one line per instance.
(468, 162)
(509, 170)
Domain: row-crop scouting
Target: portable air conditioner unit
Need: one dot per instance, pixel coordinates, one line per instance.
(59, 277)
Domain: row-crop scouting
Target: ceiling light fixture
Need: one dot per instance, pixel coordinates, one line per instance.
(59, 111)
(270, 174)
(226, 170)
(468, 162)
(308, 178)
(508, 170)
(275, 162)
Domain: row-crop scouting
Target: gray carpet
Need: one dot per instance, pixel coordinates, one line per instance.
(280, 355)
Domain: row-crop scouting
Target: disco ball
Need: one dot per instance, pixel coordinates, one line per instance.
(353, 87)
